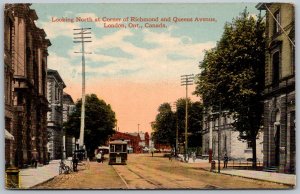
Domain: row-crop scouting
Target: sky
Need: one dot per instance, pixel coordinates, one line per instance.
(134, 69)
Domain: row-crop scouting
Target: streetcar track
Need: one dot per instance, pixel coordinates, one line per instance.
(149, 181)
(207, 186)
(169, 179)
(157, 185)
(127, 186)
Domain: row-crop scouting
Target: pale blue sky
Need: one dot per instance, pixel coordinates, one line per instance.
(189, 33)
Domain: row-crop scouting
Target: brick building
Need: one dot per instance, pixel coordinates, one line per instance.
(55, 86)
(133, 141)
(25, 85)
(279, 92)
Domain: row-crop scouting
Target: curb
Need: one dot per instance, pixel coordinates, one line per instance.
(50, 179)
(287, 184)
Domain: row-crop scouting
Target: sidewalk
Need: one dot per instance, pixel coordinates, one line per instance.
(33, 176)
(289, 179)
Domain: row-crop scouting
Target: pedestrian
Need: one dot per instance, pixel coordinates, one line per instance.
(194, 156)
(99, 157)
(75, 162)
(152, 153)
(225, 161)
(102, 156)
(170, 156)
(33, 160)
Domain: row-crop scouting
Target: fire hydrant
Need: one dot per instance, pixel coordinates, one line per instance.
(12, 178)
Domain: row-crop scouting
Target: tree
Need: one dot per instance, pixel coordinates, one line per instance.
(99, 122)
(164, 126)
(194, 121)
(232, 75)
(165, 123)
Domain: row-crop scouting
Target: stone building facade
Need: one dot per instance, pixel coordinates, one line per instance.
(279, 91)
(25, 85)
(8, 89)
(55, 86)
(230, 143)
(68, 109)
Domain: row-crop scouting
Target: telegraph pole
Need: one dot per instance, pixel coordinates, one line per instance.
(176, 146)
(80, 37)
(185, 81)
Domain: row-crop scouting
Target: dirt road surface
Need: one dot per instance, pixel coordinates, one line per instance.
(146, 172)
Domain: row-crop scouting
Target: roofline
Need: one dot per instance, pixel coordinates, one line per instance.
(56, 74)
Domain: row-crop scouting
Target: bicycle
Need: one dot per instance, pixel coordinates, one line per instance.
(63, 168)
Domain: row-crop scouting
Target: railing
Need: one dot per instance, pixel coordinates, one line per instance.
(242, 164)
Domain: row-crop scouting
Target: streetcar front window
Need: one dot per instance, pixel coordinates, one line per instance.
(118, 148)
(112, 148)
(125, 148)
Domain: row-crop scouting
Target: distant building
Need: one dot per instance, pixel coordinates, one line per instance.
(68, 109)
(55, 86)
(279, 91)
(229, 139)
(26, 105)
(144, 136)
(133, 141)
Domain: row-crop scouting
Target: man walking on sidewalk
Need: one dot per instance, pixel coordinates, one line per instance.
(75, 162)
(225, 161)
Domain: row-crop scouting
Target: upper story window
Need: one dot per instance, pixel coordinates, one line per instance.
(275, 67)
(276, 26)
(249, 144)
(293, 61)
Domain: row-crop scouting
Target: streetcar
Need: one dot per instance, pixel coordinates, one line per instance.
(117, 152)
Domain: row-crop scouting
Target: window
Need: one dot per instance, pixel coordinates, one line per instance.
(275, 65)
(249, 145)
(118, 148)
(293, 61)
(56, 92)
(112, 148)
(276, 27)
(124, 148)
(225, 142)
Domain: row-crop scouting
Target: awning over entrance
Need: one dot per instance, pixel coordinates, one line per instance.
(8, 135)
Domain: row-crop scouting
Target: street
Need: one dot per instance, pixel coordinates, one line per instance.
(145, 172)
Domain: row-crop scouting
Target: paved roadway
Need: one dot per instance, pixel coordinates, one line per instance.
(145, 172)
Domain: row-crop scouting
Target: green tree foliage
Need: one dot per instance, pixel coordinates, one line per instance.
(232, 75)
(99, 122)
(194, 122)
(164, 126)
(166, 123)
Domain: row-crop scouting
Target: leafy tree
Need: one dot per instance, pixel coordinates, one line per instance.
(166, 123)
(99, 122)
(194, 122)
(232, 75)
(164, 126)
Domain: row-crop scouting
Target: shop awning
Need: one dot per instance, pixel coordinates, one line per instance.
(8, 135)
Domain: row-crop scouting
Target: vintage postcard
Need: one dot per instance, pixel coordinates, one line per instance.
(149, 96)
